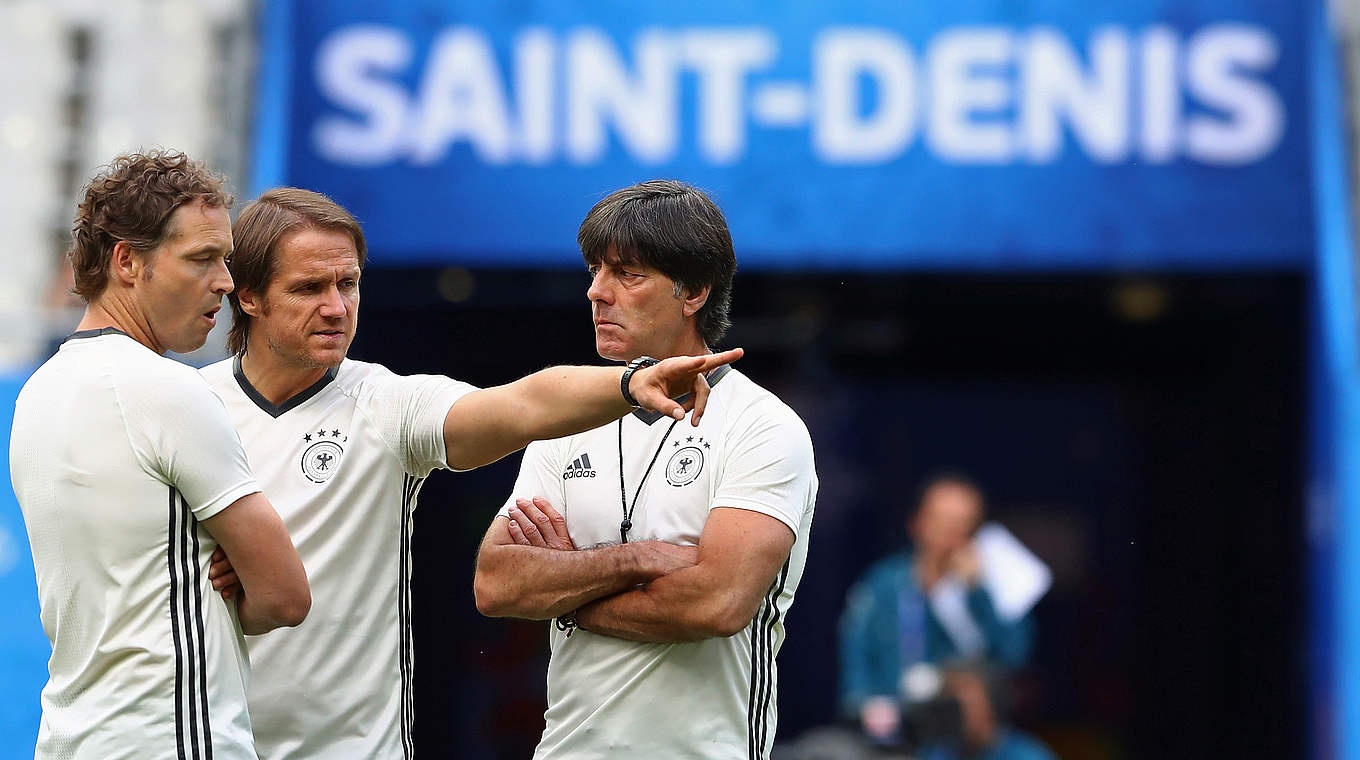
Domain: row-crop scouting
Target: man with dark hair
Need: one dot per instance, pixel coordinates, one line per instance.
(890, 625)
(129, 475)
(645, 664)
(346, 445)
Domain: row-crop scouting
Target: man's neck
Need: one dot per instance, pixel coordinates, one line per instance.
(113, 312)
(277, 381)
(693, 346)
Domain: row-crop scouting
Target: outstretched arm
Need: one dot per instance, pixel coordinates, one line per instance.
(541, 582)
(488, 424)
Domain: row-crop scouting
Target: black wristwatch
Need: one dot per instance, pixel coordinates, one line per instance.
(634, 366)
(567, 623)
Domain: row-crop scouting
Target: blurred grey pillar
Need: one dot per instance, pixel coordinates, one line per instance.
(83, 81)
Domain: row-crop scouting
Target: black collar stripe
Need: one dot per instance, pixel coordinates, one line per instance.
(649, 417)
(278, 410)
(95, 333)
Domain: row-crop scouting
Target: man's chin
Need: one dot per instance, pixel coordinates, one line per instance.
(188, 345)
(326, 359)
(319, 358)
(612, 350)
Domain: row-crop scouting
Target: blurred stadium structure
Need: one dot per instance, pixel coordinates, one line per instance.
(84, 80)
(1126, 296)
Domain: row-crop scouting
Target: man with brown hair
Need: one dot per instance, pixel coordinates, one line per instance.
(129, 475)
(346, 445)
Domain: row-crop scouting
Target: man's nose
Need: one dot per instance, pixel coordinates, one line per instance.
(598, 290)
(333, 304)
(222, 283)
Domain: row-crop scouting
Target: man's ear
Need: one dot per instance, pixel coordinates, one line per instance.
(696, 300)
(249, 300)
(126, 265)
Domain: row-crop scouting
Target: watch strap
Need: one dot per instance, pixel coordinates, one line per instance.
(634, 366)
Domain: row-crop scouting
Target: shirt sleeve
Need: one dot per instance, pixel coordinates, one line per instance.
(540, 474)
(768, 465)
(185, 438)
(409, 412)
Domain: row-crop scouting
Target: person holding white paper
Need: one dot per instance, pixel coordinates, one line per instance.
(964, 589)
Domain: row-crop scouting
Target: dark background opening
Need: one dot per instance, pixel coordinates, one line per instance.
(1142, 433)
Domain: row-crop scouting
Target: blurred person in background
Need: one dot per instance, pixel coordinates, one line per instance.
(644, 663)
(130, 474)
(346, 446)
(982, 694)
(928, 604)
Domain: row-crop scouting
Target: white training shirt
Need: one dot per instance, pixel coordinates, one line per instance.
(611, 698)
(116, 456)
(342, 462)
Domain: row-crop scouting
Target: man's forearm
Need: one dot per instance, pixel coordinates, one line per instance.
(486, 425)
(560, 401)
(538, 584)
(551, 403)
(687, 605)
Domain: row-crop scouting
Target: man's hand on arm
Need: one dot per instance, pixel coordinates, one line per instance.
(259, 566)
(542, 578)
(488, 424)
(740, 555)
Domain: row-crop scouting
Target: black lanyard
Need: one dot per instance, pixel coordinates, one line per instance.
(627, 523)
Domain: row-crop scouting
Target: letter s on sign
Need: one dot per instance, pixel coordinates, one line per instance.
(349, 69)
(1221, 60)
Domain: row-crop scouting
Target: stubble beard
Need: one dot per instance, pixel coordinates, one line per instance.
(301, 359)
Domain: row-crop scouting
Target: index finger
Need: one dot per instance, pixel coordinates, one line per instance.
(725, 357)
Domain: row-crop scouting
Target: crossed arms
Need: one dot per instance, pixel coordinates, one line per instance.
(647, 591)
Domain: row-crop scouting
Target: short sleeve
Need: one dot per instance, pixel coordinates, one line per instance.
(768, 465)
(540, 474)
(183, 435)
(409, 412)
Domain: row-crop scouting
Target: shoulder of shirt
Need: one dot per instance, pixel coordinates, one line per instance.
(219, 373)
(353, 375)
(359, 379)
(747, 397)
(356, 378)
(141, 366)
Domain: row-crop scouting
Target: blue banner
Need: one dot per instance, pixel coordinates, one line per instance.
(862, 134)
(23, 645)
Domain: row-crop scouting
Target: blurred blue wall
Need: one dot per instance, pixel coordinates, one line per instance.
(23, 646)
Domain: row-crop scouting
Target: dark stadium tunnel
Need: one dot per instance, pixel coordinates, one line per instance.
(1141, 432)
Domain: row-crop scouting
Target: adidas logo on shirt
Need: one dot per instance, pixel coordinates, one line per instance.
(580, 468)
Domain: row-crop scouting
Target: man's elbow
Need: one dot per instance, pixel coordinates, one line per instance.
(724, 620)
(291, 610)
(489, 595)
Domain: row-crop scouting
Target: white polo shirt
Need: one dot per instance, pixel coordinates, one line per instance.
(116, 455)
(611, 698)
(342, 462)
